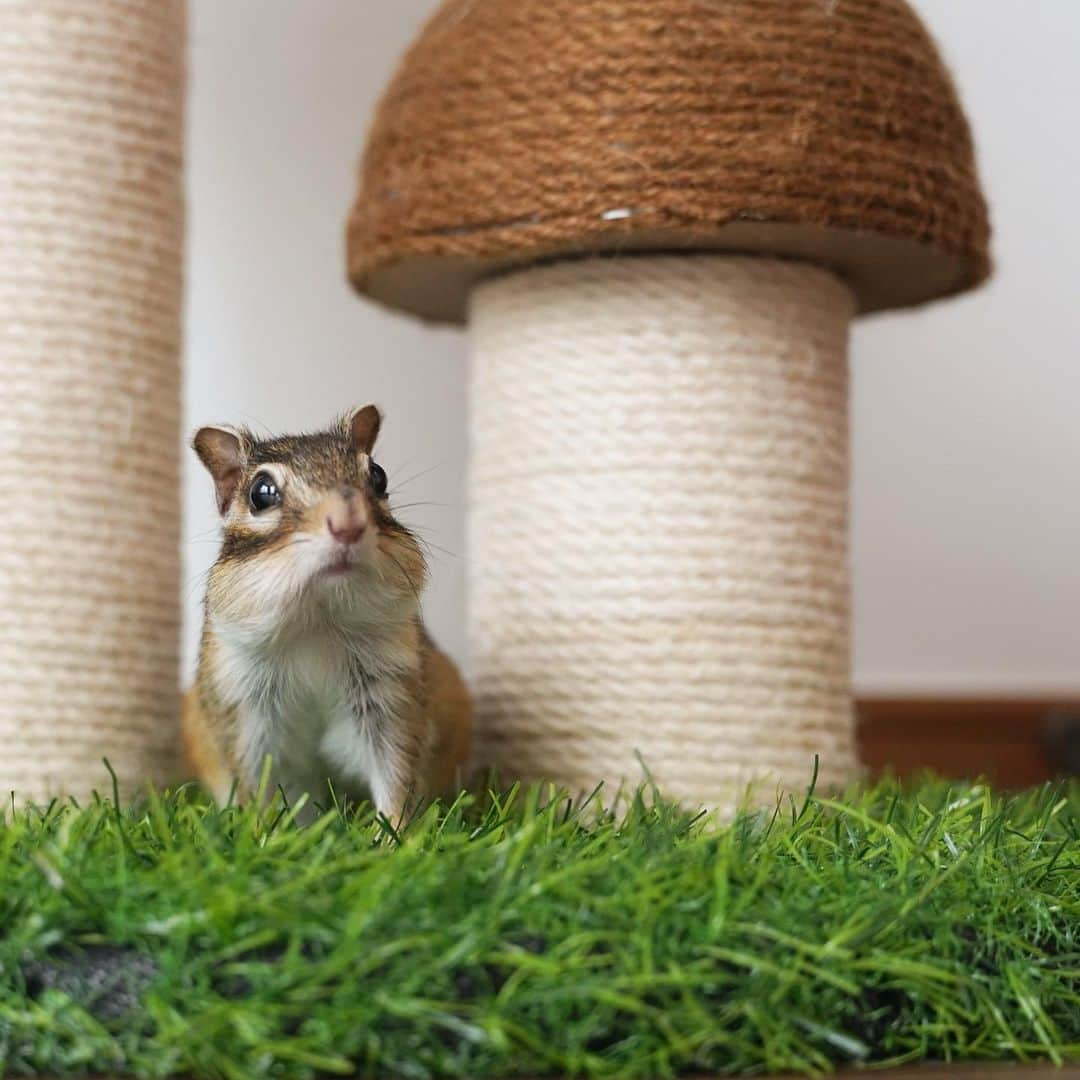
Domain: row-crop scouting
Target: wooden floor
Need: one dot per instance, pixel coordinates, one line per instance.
(1014, 743)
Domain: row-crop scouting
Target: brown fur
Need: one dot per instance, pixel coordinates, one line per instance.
(325, 473)
(441, 728)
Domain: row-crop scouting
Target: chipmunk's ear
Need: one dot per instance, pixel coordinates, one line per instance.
(223, 453)
(362, 428)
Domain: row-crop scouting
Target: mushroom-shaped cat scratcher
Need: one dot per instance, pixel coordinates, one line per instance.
(658, 218)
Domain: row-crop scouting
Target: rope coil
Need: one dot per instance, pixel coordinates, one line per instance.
(91, 245)
(517, 131)
(658, 527)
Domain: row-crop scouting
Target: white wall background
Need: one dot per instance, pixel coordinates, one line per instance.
(966, 415)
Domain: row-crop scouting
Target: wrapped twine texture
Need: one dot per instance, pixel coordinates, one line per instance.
(658, 524)
(518, 130)
(91, 239)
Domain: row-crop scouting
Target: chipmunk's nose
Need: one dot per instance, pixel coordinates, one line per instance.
(345, 534)
(346, 520)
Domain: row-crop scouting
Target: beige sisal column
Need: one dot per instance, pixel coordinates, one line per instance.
(658, 523)
(91, 243)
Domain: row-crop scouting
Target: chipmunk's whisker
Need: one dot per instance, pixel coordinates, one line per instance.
(412, 584)
(414, 505)
(427, 544)
(417, 476)
(195, 579)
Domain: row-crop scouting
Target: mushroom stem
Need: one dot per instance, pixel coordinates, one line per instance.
(658, 526)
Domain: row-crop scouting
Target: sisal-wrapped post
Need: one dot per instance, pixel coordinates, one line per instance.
(91, 243)
(658, 535)
(658, 217)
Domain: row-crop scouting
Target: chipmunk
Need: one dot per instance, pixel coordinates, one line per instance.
(313, 652)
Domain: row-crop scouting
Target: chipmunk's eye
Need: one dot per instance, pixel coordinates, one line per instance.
(264, 493)
(377, 475)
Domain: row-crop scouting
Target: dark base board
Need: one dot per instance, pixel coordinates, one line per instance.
(1013, 742)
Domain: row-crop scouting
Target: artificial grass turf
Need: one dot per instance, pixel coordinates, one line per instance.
(514, 936)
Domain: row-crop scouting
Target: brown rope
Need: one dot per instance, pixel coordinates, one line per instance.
(518, 129)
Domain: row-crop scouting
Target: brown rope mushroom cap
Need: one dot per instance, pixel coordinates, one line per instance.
(517, 131)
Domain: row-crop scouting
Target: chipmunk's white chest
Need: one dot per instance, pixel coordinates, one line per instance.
(321, 706)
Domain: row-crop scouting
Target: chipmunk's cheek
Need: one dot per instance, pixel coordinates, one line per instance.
(259, 589)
